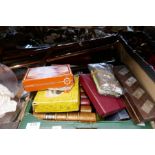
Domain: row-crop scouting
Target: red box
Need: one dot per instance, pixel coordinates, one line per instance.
(104, 105)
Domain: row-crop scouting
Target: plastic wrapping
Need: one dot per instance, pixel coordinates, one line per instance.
(6, 102)
(104, 79)
(8, 79)
(9, 103)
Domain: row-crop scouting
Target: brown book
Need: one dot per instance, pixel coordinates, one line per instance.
(140, 100)
(69, 116)
(133, 114)
(85, 108)
(84, 98)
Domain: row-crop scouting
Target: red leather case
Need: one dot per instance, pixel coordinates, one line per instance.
(104, 105)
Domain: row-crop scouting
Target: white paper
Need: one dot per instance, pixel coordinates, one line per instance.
(33, 125)
(57, 127)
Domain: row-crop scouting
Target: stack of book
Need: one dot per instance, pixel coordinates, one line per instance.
(58, 94)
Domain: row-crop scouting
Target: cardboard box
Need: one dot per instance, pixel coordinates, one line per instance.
(45, 101)
(137, 67)
(29, 121)
(57, 77)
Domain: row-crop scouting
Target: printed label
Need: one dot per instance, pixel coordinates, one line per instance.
(130, 81)
(138, 93)
(56, 127)
(123, 71)
(147, 106)
(49, 116)
(67, 81)
(33, 125)
(141, 124)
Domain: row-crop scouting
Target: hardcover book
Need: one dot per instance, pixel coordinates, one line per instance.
(85, 101)
(70, 116)
(104, 105)
(84, 98)
(85, 108)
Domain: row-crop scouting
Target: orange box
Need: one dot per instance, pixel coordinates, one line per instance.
(56, 77)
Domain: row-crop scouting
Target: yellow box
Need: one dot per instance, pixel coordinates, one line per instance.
(57, 101)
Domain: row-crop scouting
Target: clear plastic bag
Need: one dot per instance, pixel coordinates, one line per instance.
(104, 79)
(8, 79)
(9, 103)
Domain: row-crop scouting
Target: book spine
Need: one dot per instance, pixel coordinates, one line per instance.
(83, 95)
(72, 116)
(84, 98)
(85, 101)
(85, 108)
